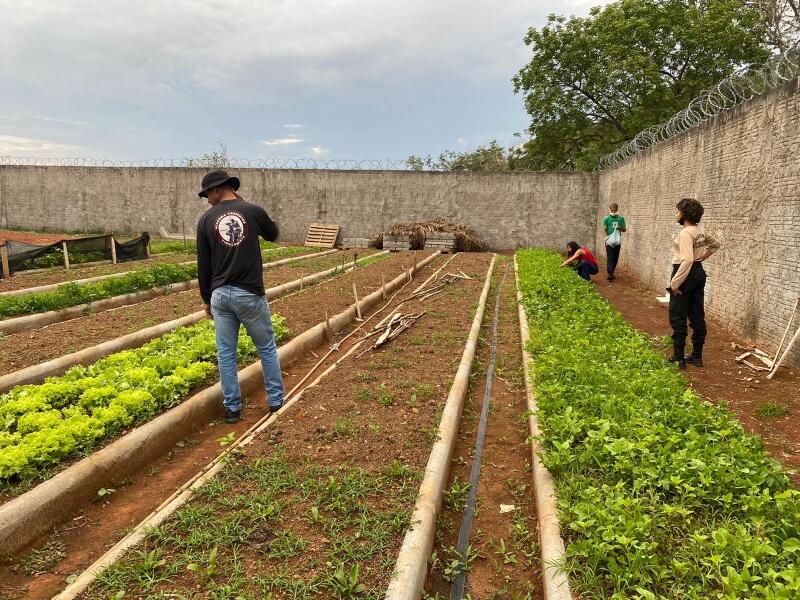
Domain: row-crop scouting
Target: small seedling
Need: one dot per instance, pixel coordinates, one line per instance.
(315, 516)
(103, 492)
(770, 410)
(150, 563)
(345, 583)
(209, 570)
(385, 397)
(227, 440)
(458, 563)
(509, 558)
(456, 496)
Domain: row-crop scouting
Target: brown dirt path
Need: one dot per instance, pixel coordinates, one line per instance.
(104, 522)
(723, 380)
(505, 478)
(26, 348)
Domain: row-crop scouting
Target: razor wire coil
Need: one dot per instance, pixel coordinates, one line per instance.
(231, 163)
(739, 87)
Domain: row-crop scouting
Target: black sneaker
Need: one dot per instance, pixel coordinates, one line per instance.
(681, 362)
(694, 360)
(611, 277)
(232, 416)
(274, 409)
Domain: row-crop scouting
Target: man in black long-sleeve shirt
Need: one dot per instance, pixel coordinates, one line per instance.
(231, 277)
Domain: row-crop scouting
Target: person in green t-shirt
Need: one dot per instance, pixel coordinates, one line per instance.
(613, 221)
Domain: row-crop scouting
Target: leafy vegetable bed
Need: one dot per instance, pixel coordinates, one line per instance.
(73, 294)
(662, 495)
(42, 424)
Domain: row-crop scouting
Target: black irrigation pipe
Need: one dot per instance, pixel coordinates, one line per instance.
(457, 589)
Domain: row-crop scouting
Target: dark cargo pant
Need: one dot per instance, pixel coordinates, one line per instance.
(689, 304)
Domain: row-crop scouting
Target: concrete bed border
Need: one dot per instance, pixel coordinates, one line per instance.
(51, 286)
(87, 356)
(411, 566)
(555, 582)
(37, 511)
(38, 320)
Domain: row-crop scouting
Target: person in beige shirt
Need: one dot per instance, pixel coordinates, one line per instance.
(687, 287)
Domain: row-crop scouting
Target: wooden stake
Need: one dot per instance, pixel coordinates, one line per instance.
(383, 286)
(4, 261)
(66, 254)
(328, 330)
(785, 354)
(358, 308)
(415, 261)
(183, 228)
(344, 259)
(786, 331)
(113, 251)
(302, 276)
(355, 260)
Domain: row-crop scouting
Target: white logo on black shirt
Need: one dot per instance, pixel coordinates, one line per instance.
(231, 228)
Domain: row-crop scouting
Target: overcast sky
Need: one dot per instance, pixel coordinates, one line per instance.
(359, 79)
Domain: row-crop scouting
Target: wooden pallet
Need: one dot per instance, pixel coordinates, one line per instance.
(321, 235)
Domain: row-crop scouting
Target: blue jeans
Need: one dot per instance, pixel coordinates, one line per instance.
(232, 307)
(585, 269)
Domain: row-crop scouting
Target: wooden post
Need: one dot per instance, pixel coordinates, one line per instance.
(302, 276)
(415, 261)
(355, 260)
(66, 254)
(358, 308)
(784, 355)
(148, 251)
(344, 259)
(4, 261)
(113, 250)
(328, 330)
(383, 286)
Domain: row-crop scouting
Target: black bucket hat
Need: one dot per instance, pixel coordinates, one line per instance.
(215, 178)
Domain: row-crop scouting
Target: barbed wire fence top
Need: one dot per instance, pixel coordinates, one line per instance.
(231, 163)
(739, 87)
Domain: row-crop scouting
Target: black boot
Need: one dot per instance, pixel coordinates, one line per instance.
(696, 357)
(678, 357)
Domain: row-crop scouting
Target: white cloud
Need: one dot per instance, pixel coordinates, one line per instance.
(73, 122)
(13, 145)
(293, 125)
(281, 141)
(319, 151)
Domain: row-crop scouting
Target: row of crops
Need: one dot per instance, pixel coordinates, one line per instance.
(73, 294)
(41, 425)
(661, 494)
(157, 275)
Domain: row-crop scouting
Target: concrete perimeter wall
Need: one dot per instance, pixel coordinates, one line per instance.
(744, 167)
(507, 210)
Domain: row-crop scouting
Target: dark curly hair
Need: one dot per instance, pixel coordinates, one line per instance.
(691, 210)
(573, 247)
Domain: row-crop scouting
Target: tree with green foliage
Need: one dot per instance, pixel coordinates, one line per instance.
(216, 159)
(594, 82)
(491, 158)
